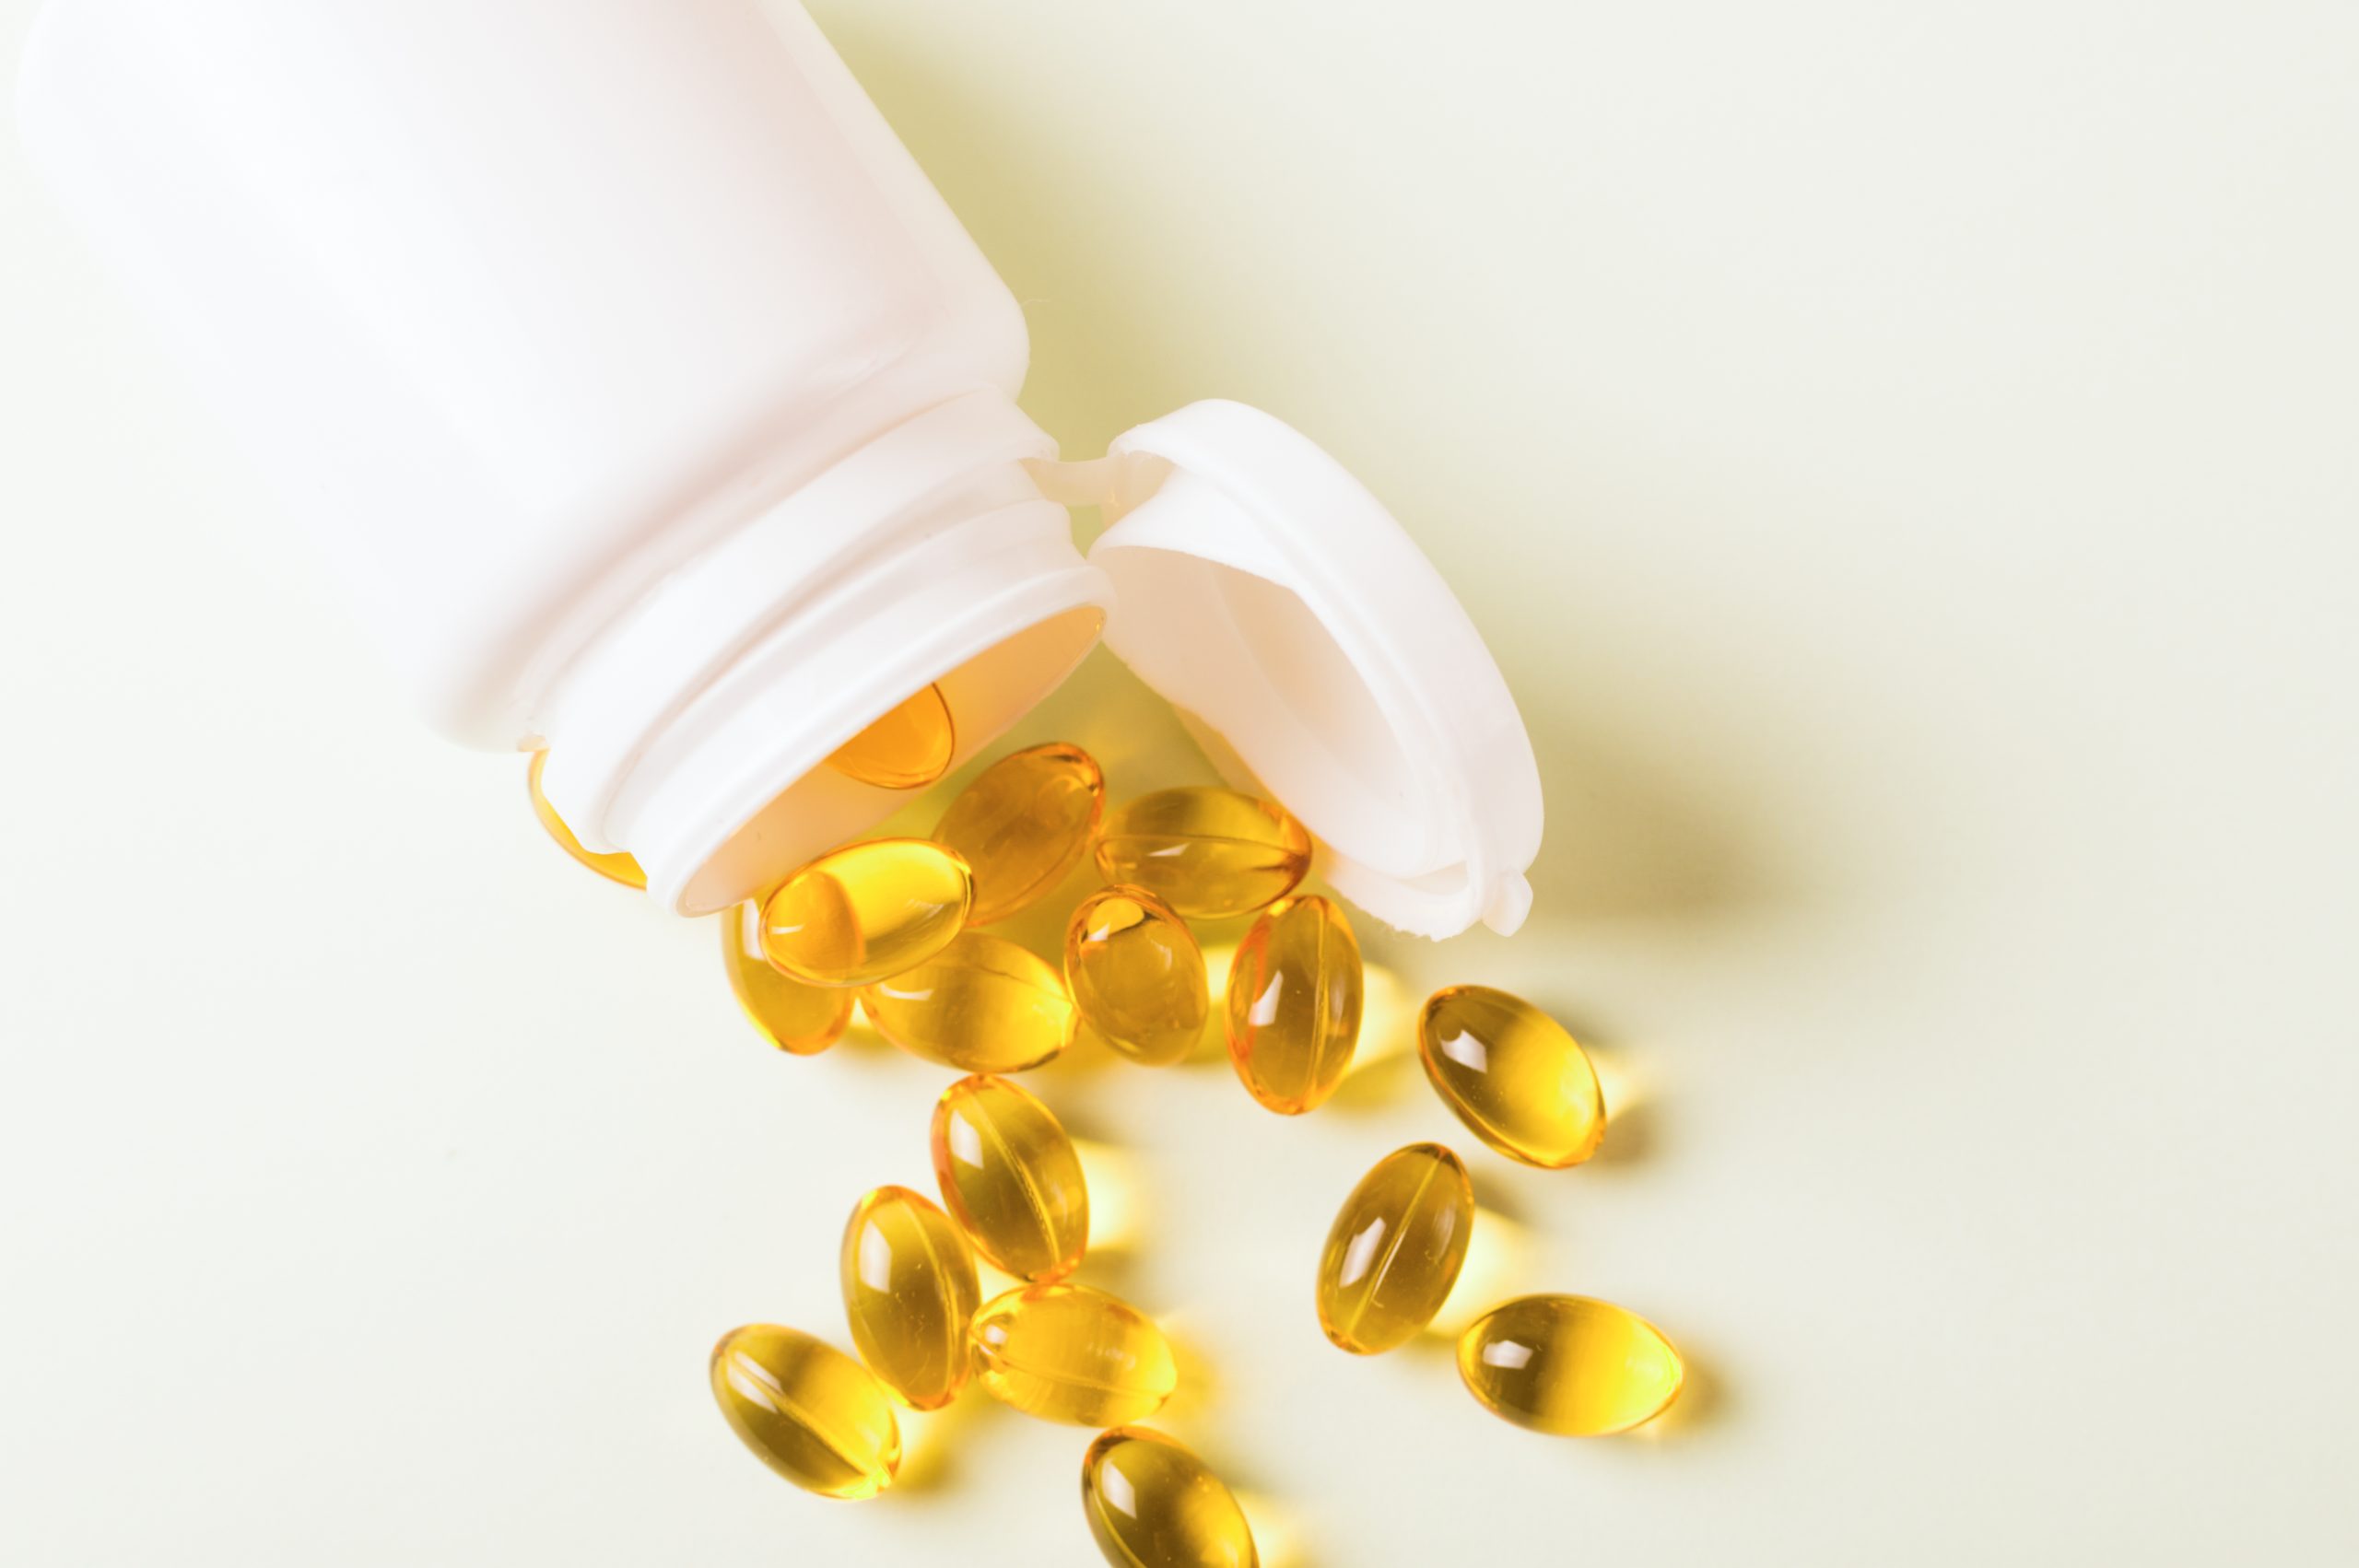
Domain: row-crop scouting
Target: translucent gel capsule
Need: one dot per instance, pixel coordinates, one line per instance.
(982, 1004)
(1137, 975)
(909, 1291)
(1023, 825)
(1010, 1177)
(1070, 1353)
(808, 1410)
(1206, 852)
(1152, 1503)
(796, 1018)
(906, 749)
(1568, 1365)
(1395, 1249)
(1294, 1004)
(865, 911)
(1512, 1074)
(614, 865)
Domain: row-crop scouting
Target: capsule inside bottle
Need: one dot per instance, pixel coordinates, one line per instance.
(906, 748)
(866, 911)
(1011, 1178)
(808, 1410)
(1137, 975)
(614, 865)
(1208, 852)
(1569, 1366)
(1072, 1353)
(1153, 1503)
(982, 1004)
(1023, 825)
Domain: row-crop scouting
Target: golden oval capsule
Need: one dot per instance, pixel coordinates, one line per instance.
(1294, 1004)
(1568, 1365)
(866, 911)
(1023, 825)
(1072, 1353)
(1137, 975)
(1206, 852)
(614, 865)
(907, 748)
(1010, 1177)
(909, 1291)
(800, 1019)
(982, 1004)
(1152, 1503)
(1513, 1074)
(808, 1410)
(1395, 1249)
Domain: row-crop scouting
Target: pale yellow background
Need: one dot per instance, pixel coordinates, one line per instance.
(1903, 457)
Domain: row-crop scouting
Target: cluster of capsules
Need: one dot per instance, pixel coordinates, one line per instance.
(892, 922)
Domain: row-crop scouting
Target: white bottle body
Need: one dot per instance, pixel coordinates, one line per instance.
(531, 306)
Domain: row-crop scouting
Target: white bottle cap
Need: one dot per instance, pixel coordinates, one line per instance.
(1322, 660)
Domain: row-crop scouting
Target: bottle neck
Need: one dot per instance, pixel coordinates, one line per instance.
(693, 730)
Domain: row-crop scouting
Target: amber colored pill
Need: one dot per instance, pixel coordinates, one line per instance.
(803, 1020)
(1010, 1177)
(808, 1410)
(1023, 825)
(1294, 997)
(866, 911)
(1137, 975)
(1513, 1074)
(1395, 1249)
(1206, 852)
(614, 865)
(1152, 1503)
(1072, 1353)
(907, 748)
(982, 1004)
(910, 1291)
(1568, 1365)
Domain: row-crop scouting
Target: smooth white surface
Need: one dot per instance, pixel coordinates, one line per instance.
(1903, 460)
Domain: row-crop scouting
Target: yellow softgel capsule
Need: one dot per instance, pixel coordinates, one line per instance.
(1010, 1177)
(982, 1004)
(1137, 975)
(808, 1410)
(909, 1291)
(907, 748)
(1023, 825)
(612, 865)
(1152, 1503)
(857, 914)
(800, 1019)
(1513, 1074)
(1072, 1353)
(1395, 1249)
(1294, 997)
(1568, 1365)
(1206, 852)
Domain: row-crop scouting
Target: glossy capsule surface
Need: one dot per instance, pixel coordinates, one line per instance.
(1137, 975)
(1395, 1249)
(1072, 1353)
(906, 748)
(1208, 852)
(1295, 989)
(909, 1291)
(982, 1004)
(1010, 1177)
(1023, 825)
(1568, 1365)
(865, 911)
(1512, 1074)
(808, 1410)
(801, 1019)
(1152, 1503)
(614, 865)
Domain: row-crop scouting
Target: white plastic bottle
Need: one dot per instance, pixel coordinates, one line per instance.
(657, 410)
